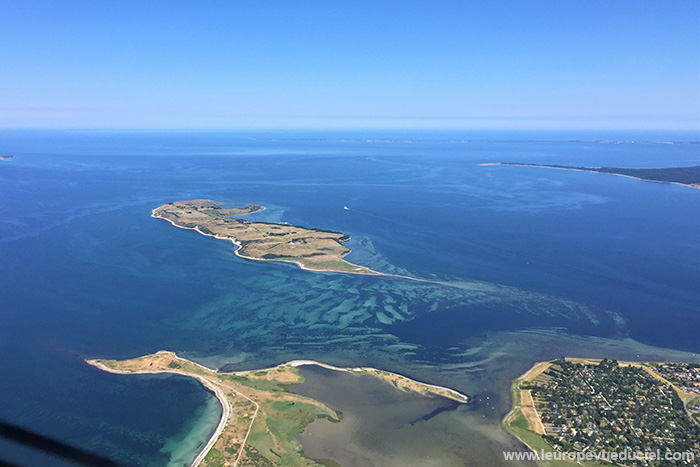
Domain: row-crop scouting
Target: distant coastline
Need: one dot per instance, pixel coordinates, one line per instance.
(687, 176)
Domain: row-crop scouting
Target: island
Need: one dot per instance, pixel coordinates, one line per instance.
(574, 411)
(688, 176)
(260, 417)
(309, 248)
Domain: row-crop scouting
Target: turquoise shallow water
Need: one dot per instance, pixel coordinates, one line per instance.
(522, 264)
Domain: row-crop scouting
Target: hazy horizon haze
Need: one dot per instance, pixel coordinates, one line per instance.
(267, 65)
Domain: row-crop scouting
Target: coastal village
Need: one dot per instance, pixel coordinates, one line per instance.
(684, 375)
(606, 406)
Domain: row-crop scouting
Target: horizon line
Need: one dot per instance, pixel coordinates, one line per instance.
(354, 128)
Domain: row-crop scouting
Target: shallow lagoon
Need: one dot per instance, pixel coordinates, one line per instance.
(518, 257)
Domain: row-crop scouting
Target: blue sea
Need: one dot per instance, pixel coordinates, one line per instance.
(519, 264)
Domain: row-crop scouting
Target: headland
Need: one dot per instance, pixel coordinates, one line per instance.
(260, 417)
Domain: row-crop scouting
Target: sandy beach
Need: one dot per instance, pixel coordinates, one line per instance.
(217, 391)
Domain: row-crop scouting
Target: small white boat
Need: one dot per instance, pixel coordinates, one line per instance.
(346, 208)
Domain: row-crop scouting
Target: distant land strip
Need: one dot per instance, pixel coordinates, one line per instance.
(688, 176)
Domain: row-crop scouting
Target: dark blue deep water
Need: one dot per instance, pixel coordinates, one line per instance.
(85, 271)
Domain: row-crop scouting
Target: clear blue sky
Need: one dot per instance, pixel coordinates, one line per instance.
(295, 63)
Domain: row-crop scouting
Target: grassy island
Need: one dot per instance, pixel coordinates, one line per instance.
(312, 249)
(688, 176)
(260, 417)
(641, 411)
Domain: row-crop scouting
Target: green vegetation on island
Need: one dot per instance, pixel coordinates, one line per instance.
(689, 176)
(313, 249)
